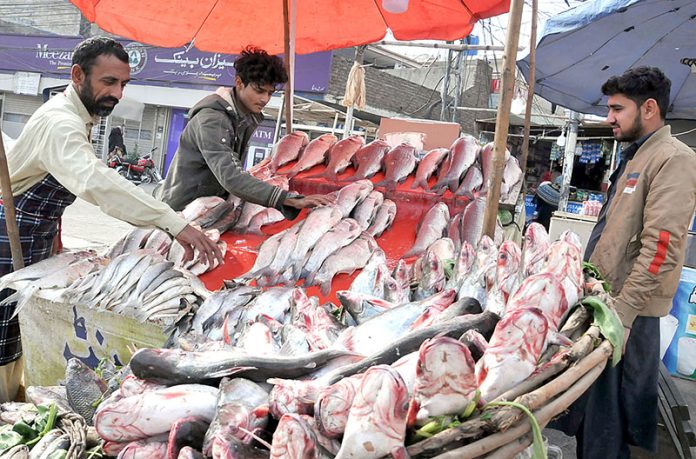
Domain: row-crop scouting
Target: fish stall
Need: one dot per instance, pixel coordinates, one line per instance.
(384, 325)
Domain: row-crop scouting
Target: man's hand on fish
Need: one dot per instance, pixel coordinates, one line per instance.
(314, 200)
(192, 239)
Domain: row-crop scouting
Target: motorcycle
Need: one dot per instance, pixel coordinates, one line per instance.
(142, 170)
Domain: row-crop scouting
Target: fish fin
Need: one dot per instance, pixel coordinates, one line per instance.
(22, 301)
(228, 372)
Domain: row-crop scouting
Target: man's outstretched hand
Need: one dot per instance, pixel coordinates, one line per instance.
(314, 200)
(192, 239)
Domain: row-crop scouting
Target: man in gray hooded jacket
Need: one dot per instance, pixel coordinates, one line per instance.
(213, 144)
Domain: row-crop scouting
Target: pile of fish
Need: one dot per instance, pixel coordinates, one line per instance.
(50, 279)
(464, 169)
(331, 240)
(141, 284)
(274, 373)
(465, 226)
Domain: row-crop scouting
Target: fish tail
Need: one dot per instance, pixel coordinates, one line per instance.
(419, 183)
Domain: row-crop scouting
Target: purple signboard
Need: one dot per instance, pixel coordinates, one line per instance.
(152, 65)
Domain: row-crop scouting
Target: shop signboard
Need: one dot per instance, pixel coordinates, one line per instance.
(678, 329)
(187, 66)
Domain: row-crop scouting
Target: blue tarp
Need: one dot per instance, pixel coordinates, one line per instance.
(581, 48)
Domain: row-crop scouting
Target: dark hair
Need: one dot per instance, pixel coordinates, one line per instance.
(87, 52)
(640, 84)
(255, 65)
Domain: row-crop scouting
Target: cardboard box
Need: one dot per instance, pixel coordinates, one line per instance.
(438, 134)
(52, 333)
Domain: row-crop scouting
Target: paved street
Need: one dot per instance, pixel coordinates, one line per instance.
(86, 227)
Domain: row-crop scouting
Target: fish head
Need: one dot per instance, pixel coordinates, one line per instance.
(572, 238)
(293, 437)
(465, 258)
(383, 398)
(292, 396)
(543, 291)
(402, 273)
(437, 353)
(333, 406)
(536, 236)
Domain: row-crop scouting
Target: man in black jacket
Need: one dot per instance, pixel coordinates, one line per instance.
(213, 144)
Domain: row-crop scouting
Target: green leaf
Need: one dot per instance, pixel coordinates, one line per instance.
(469, 410)
(58, 454)
(8, 439)
(539, 452)
(609, 325)
(25, 430)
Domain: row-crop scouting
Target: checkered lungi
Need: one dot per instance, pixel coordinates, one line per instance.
(38, 215)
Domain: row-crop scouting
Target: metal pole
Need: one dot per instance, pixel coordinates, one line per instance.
(289, 16)
(276, 132)
(568, 159)
(8, 204)
(445, 87)
(503, 118)
(530, 96)
(457, 84)
(441, 46)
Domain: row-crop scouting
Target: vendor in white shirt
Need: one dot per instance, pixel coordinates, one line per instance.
(53, 162)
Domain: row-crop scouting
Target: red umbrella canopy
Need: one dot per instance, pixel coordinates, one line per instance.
(227, 26)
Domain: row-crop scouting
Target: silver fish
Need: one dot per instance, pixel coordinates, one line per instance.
(365, 212)
(342, 234)
(473, 181)
(346, 260)
(463, 153)
(351, 195)
(288, 149)
(427, 167)
(362, 306)
(372, 277)
(314, 153)
(340, 156)
(383, 329)
(431, 228)
(383, 218)
(368, 160)
(433, 278)
(316, 224)
(399, 162)
(242, 407)
(472, 221)
(267, 216)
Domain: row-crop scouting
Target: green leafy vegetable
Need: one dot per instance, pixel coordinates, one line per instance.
(609, 325)
(539, 452)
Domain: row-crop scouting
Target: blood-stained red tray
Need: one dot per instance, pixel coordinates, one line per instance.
(412, 204)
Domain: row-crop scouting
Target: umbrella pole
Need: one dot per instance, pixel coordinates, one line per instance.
(289, 19)
(8, 204)
(530, 97)
(502, 123)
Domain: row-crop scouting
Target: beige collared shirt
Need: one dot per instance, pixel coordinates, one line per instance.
(56, 141)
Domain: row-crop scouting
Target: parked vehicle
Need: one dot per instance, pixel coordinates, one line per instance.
(142, 170)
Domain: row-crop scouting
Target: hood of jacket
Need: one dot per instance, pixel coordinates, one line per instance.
(223, 100)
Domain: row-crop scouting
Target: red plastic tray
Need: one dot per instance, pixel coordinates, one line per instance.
(411, 206)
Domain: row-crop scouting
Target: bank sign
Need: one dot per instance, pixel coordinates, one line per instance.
(52, 56)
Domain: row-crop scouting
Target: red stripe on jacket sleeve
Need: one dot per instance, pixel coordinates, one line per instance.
(660, 252)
